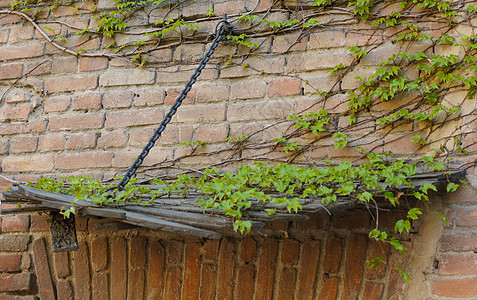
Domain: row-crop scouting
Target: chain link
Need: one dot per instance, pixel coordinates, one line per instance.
(222, 27)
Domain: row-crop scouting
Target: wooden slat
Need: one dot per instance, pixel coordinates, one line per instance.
(27, 209)
(103, 212)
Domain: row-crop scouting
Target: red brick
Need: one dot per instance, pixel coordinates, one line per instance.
(23, 144)
(9, 19)
(287, 283)
(81, 271)
(136, 284)
(76, 122)
(119, 119)
(126, 77)
(161, 55)
(42, 269)
(30, 50)
(354, 265)
(39, 222)
(118, 99)
(212, 133)
(14, 243)
(22, 282)
(10, 71)
(112, 139)
(373, 291)
(172, 135)
(310, 61)
(461, 195)
(42, 68)
(455, 287)
(333, 254)
(84, 160)
(211, 249)
(149, 97)
(175, 251)
(100, 286)
(90, 101)
(15, 113)
(62, 265)
(326, 39)
(155, 281)
(51, 142)
(126, 158)
(10, 263)
(172, 288)
(363, 37)
(82, 42)
(92, 63)
(190, 286)
(56, 104)
(352, 220)
(248, 90)
(246, 281)
(267, 265)
(31, 163)
(377, 249)
(71, 83)
(200, 113)
(99, 253)
(308, 267)
(209, 277)
(284, 87)
(459, 242)
(15, 223)
(174, 93)
(18, 97)
(315, 221)
(64, 290)
(81, 141)
(64, 65)
(137, 255)
(4, 146)
(458, 264)
(268, 110)
(182, 74)
(212, 93)
(466, 216)
(290, 252)
(248, 250)
(226, 266)
(118, 269)
(289, 42)
(30, 127)
(329, 288)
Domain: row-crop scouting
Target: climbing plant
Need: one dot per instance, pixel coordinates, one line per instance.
(425, 86)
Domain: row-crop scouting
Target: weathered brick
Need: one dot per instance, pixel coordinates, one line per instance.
(15, 113)
(71, 83)
(212, 133)
(126, 158)
(248, 250)
(354, 264)
(190, 286)
(33, 49)
(56, 104)
(62, 264)
(17, 97)
(76, 122)
(363, 37)
(308, 267)
(112, 139)
(149, 97)
(173, 93)
(118, 269)
(39, 222)
(229, 7)
(333, 255)
(41, 68)
(248, 90)
(373, 291)
(81, 141)
(254, 66)
(84, 160)
(211, 249)
(226, 266)
(315, 221)
(458, 264)
(10, 262)
(160, 56)
(459, 242)
(136, 284)
(284, 87)
(351, 220)
(42, 269)
(466, 216)
(15, 223)
(120, 119)
(126, 77)
(189, 52)
(183, 74)
(82, 287)
(157, 262)
(31, 163)
(209, 276)
(172, 288)
(92, 63)
(117, 99)
(99, 253)
(329, 288)
(83, 42)
(290, 252)
(10, 71)
(462, 195)
(28, 127)
(287, 284)
(259, 110)
(309, 61)
(64, 65)
(100, 286)
(90, 101)
(64, 290)
(22, 282)
(212, 93)
(326, 39)
(455, 287)
(267, 268)
(23, 144)
(51, 142)
(200, 113)
(4, 146)
(289, 42)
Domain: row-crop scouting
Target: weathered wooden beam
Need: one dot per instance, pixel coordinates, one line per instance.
(22, 210)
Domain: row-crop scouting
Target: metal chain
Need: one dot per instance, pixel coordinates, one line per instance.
(220, 29)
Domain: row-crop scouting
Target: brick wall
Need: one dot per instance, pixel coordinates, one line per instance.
(73, 115)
